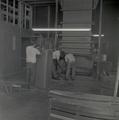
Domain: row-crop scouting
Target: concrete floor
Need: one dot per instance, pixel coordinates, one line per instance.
(32, 105)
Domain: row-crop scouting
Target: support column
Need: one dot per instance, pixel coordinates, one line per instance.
(56, 22)
(48, 27)
(99, 39)
(117, 80)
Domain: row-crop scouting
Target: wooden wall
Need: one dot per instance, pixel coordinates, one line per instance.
(10, 49)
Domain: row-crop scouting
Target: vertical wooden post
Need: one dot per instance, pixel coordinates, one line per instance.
(44, 70)
(14, 12)
(56, 22)
(117, 80)
(31, 16)
(20, 20)
(99, 39)
(7, 13)
(48, 26)
(0, 9)
(25, 15)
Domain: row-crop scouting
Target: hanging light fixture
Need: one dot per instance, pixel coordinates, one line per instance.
(97, 35)
(61, 29)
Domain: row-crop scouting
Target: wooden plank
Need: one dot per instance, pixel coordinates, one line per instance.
(60, 117)
(76, 45)
(75, 49)
(77, 52)
(64, 112)
(77, 4)
(91, 111)
(81, 17)
(80, 51)
(31, 16)
(76, 34)
(44, 70)
(56, 22)
(76, 25)
(84, 96)
(117, 80)
(86, 105)
(74, 42)
(76, 39)
(14, 12)
(82, 110)
(81, 103)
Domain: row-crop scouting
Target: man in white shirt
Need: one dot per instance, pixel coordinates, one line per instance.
(56, 55)
(70, 71)
(31, 59)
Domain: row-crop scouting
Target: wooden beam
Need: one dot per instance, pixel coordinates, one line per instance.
(20, 15)
(48, 26)
(38, 0)
(94, 107)
(117, 80)
(7, 12)
(40, 3)
(99, 39)
(60, 117)
(56, 22)
(31, 16)
(14, 12)
(33, 2)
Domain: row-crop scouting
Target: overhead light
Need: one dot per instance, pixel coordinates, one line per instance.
(61, 29)
(97, 35)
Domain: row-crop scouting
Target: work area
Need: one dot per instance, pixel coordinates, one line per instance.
(59, 60)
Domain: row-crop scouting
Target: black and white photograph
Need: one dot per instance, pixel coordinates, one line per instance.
(59, 59)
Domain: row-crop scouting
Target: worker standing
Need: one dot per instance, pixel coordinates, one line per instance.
(31, 59)
(70, 70)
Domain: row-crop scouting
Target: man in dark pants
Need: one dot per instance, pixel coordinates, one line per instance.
(31, 54)
(70, 70)
(56, 56)
(59, 66)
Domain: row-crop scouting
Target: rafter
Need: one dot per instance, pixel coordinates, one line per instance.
(39, 1)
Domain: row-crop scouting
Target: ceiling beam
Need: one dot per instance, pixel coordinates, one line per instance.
(39, 2)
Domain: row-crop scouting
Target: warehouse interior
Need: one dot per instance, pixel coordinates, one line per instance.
(88, 29)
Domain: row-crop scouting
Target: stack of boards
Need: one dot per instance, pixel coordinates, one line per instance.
(77, 14)
(80, 106)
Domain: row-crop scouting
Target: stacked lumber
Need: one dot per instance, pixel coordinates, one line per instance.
(43, 74)
(77, 14)
(80, 106)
